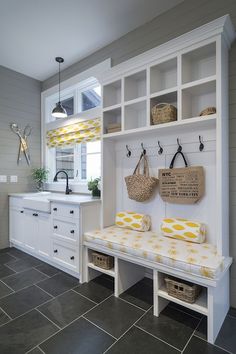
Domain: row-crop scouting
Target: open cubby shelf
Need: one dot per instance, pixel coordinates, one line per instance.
(135, 86)
(112, 94)
(163, 76)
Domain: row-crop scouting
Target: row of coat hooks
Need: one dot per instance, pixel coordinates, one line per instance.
(161, 150)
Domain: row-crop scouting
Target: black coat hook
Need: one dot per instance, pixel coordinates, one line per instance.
(144, 150)
(160, 151)
(179, 146)
(201, 146)
(128, 154)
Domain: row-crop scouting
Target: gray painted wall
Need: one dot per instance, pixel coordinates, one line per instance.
(19, 103)
(181, 19)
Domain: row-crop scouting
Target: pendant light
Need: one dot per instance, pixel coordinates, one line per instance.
(59, 111)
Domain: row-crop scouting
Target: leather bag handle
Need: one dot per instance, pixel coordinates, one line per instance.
(174, 157)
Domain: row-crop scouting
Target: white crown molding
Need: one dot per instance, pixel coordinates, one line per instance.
(221, 26)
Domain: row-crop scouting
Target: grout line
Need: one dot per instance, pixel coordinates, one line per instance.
(94, 324)
(160, 339)
(126, 331)
(41, 272)
(215, 345)
(47, 318)
(6, 314)
(51, 296)
(36, 347)
(7, 286)
(87, 298)
(130, 303)
(188, 341)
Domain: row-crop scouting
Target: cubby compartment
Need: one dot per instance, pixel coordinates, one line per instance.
(91, 265)
(170, 98)
(199, 63)
(135, 115)
(163, 76)
(200, 305)
(112, 94)
(197, 98)
(112, 121)
(135, 85)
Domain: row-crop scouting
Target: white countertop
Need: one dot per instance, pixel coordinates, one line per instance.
(59, 197)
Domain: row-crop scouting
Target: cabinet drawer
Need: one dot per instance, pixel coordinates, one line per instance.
(65, 210)
(65, 230)
(65, 255)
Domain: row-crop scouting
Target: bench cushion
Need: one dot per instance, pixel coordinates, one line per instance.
(198, 259)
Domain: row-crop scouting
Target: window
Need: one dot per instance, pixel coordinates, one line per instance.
(81, 161)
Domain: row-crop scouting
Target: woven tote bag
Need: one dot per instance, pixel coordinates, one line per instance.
(140, 186)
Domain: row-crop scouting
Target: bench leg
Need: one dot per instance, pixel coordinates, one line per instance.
(126, 275)
(218, 306)
(158, 302)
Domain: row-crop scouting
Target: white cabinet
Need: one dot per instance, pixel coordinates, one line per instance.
(37, 233)
(16, 226)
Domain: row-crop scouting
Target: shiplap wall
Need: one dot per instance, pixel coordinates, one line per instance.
(19, 103)
(181, 19)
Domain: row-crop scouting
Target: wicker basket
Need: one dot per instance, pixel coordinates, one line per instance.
(103, 260)
(182, 289)
(207, 111)
(163, 113)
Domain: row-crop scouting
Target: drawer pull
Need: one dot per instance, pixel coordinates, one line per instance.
(72, 231)
(55, 251)
(22, 211)
(71, 211)
(55, 227)
(54, 209)
(35, 214)
(72, 258)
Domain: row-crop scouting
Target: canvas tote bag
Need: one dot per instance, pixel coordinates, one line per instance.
(140, 186)
(182, 185)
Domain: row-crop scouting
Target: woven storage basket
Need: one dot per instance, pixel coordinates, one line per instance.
(103, 260)
(207, 111)
(182, 289)
(163, 113)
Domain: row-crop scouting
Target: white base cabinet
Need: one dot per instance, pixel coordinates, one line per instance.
(54, 237)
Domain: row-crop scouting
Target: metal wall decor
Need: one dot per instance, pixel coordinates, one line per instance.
(23, 137)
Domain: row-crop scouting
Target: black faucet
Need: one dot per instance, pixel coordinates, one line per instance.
(68, 190)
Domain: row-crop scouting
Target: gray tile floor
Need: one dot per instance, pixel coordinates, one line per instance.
(43, 310)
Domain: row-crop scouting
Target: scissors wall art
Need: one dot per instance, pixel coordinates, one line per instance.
(23, 137)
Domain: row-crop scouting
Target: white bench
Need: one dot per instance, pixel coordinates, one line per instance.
(134, 252)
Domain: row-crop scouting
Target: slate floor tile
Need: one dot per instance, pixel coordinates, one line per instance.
(24, 300)
(36, 350)
(232, 311)
(197, 345)
(3, 318)
(22, 264)
(114, 316)
(17, 253)
(97, 289)
(138, 342)
(24, 333)
(185, 309)
(201, 330)
(65, 308)
(21, 280)
(5, 271)
(48, 269)
(5, 250)
(226, 338)
(172, 326)
(80, 337)
(58, 284)
(4, 290)
(6, 258)
(140, 294)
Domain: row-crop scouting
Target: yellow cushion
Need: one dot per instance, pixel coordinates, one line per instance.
(133, 221)
(183, 229)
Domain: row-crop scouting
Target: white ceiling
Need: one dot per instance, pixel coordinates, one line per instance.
(34, 32)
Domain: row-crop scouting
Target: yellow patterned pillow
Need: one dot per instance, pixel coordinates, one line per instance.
(183, 229)
(133, 221)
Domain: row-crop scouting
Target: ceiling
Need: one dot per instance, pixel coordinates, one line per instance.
(34, 32)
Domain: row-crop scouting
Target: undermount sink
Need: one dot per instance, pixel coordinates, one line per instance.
(38, 202)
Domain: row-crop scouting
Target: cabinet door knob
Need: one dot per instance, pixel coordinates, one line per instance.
(72, 258)
(72, 231)
(55, 251)
(22, 211)
(55, 227)
(35, 214)
(54, 209)
(71, 211)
